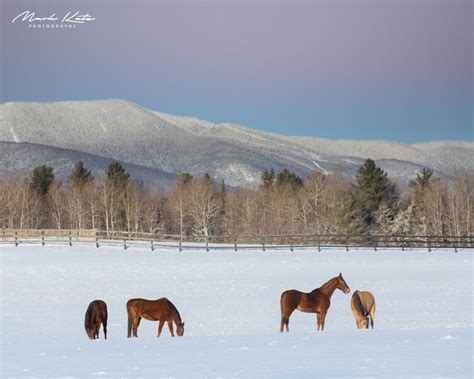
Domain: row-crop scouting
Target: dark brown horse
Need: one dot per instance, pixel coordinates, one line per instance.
(317, 301)
(95, 315)
(154, 310)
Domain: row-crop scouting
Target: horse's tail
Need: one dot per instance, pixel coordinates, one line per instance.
(129, 331)
(284, 316)
(129, 328)
(89, 318)
(282, 304)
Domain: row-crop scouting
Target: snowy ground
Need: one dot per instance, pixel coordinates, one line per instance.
(230, 303)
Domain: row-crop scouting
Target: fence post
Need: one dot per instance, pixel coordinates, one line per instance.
(125, 244)
(96, 239)
(151, 243)
(180, 247)
(429, 245)
(16, 238)
(347, 243)
(207, 243)
(42, 237)
(235, 245)
(70, 238)
(263, 244)
(319, 243)
(291, 243)
(375, 244)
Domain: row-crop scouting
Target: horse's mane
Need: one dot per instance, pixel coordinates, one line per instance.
(329, 281)
(177, 312)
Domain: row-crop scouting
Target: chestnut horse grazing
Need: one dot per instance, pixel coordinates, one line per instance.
(317, 301)
(154, 310)
(363, 305)
(95, 315)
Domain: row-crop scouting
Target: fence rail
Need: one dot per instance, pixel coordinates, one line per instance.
(128, 239)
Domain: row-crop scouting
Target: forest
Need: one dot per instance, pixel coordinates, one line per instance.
(283, 204)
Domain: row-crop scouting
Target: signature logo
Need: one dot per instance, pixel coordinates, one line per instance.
(70, 19)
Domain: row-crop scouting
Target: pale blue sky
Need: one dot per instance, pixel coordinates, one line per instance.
(397, 70)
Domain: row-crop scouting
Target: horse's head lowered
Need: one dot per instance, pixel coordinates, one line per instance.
(90, 332)
(342, 285)
(363, 323)
(180, 328)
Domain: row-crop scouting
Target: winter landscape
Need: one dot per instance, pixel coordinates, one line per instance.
(230, 304)
(218, 154)
(157, 146)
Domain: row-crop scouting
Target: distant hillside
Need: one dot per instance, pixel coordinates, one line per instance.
(159, 145)
(24, 157)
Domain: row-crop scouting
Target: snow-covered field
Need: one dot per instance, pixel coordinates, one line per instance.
(230, 303)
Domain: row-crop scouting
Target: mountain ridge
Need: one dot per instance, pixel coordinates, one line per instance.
(121, 130)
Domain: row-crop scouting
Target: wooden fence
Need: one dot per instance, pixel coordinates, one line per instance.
(156, 240)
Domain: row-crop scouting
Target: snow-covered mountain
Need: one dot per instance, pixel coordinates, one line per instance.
(166, 144)
(23, 157)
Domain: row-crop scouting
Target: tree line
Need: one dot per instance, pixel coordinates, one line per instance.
(283, 204)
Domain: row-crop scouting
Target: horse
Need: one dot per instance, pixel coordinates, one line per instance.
(363, 306)
(95, 315)
(317, 301)
(154, 310)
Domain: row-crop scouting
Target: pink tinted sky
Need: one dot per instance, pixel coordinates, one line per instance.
(341, 69)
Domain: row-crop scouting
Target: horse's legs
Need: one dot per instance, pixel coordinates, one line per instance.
(170, 326)
(320, 318)
(285, 319)
(135, 323)
(282, 324)
(323, 320)
(160, 326)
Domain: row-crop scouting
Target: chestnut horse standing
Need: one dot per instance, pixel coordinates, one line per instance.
(363, 306)
(317, 301)
(154, 310)
(95, 315)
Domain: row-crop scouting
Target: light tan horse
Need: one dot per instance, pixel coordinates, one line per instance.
(161, 310)
(317, 301)
(363, 306)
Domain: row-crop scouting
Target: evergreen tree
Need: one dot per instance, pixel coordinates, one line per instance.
(268, 178)
(419, 187)
(286, 177)
(184, 178)
(348, 215)
(223, 190)
(116, 175)
(423, 179)
(384, 218)
(41, 179)
(408, 221)
(372, 188)
(208, 178)
(80, 175)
